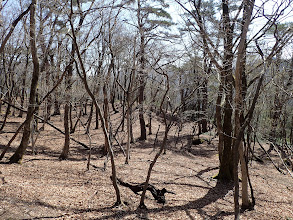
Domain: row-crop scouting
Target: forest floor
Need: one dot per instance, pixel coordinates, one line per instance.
(42, 187)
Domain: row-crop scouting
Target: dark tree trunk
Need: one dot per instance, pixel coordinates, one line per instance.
(70, 118)
(17, 156)
(50, 100)
(131, 127)
(90, 119)
(204, 122)
(97, 119)
(142, 75)
(0, 105)
(65, 150)
(123, 113)
(22, 96)
(56, 97)
(5, 116)
(85, 108)
(106, 116)
(150, 121)
(291, 131)
(226, 165)
(113, 93)
(56, 105)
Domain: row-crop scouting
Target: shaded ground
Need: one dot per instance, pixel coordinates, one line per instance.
(43, 187)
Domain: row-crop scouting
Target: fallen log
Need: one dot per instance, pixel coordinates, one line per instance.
(158, 194)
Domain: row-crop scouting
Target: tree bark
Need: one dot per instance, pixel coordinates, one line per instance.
(128, 129)
(22, 96)
(106, 116)
(226, 165)
(65, 150)
(17, 156)
(90, 119)
(141, 74)
(97, 119)
(238, 148)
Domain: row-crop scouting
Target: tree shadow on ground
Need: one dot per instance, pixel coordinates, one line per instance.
(11, 122)
(188, 149)
(197, 175)
(74, 154)
(214, 194)
(197, 206)
(149, 143)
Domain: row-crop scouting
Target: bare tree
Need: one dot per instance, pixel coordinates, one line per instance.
(17, 156)
(83, 77)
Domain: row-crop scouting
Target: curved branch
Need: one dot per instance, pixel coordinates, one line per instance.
(13, 25)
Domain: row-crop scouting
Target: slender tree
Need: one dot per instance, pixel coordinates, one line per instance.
(149, 18)
(17, 156)
(83, 77)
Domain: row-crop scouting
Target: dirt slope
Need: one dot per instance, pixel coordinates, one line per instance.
(43, 187)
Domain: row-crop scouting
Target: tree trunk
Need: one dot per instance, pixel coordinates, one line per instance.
(291, 131)
(23, 85)
(239, 123)
(141, 112)
(90, 119)
(163, 146)
(131, 127)
(113, 92)
(106, 117)
(226, 165)
(106, 102)
(97, 119)
(142, 77)
(244, 177)
(8, 107)
(128, 129)
(105, 131)
(150, 120)
(6, 115)
(204, 123)
(17, 156)
(113, 95)
(56, 104)
(141, 203)
(84, 107)
(65, 150)
(218, 117)
(56, 98)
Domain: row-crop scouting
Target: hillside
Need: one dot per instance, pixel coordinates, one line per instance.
(43, 187)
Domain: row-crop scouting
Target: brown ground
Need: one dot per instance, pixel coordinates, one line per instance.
(43, 187)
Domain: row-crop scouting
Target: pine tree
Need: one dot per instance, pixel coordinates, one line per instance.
(151, 16)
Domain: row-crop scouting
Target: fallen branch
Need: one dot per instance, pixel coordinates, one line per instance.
(158, 194)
